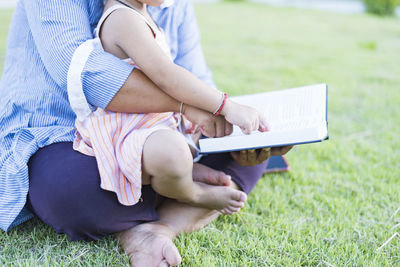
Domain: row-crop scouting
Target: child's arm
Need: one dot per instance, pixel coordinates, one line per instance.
(133, 36)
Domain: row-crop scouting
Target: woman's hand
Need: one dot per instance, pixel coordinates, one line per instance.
(208, 124)
(254, 157)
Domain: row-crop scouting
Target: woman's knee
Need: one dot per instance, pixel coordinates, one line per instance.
(62, 200)
(84, 211)
(67, 211)
(65, 193)
(167, 153)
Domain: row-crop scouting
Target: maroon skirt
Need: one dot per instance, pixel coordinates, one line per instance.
(65, 193)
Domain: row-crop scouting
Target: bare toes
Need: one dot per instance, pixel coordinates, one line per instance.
(224, 179)
(236, 204)
(171, 254)
(233, 210)
(226, 211)
(241, 197)
(230, 210)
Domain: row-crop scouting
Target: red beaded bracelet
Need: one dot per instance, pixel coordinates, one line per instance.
(216, 113)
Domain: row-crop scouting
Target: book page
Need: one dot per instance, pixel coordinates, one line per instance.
(289, 109)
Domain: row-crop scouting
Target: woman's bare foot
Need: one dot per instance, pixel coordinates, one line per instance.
(207, 175)
(150, 244)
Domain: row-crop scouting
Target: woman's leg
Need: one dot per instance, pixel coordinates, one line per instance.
(150, 244)
(65, 193)
(168, 160)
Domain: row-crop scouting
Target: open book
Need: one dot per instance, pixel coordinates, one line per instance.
(295, 116)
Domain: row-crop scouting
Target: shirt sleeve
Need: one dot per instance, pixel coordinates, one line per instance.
(190, 53)
(58, 28)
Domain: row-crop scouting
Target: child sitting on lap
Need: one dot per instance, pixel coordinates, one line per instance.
(130, 147)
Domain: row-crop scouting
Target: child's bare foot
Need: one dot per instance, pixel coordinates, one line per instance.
(222, 198)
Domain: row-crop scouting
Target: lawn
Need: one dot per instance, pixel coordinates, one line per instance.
(338, 203)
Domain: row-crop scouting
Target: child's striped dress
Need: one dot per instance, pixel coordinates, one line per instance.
(117, 139)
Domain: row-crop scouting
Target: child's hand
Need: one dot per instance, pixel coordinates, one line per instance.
(208, 124)
(247, 118)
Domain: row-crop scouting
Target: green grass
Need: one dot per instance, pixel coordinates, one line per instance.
(334, 208)
(5, 17)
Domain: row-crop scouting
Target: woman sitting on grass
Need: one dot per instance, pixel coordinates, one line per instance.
(37, 129)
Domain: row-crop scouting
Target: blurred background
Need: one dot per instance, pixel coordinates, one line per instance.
(381, 7)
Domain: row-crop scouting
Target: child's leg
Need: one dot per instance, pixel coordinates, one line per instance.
(167, 159)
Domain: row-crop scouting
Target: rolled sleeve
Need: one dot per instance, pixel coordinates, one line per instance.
(103, 76)
(58, 28)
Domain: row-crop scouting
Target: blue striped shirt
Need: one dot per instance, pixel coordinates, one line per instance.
(34, 107)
